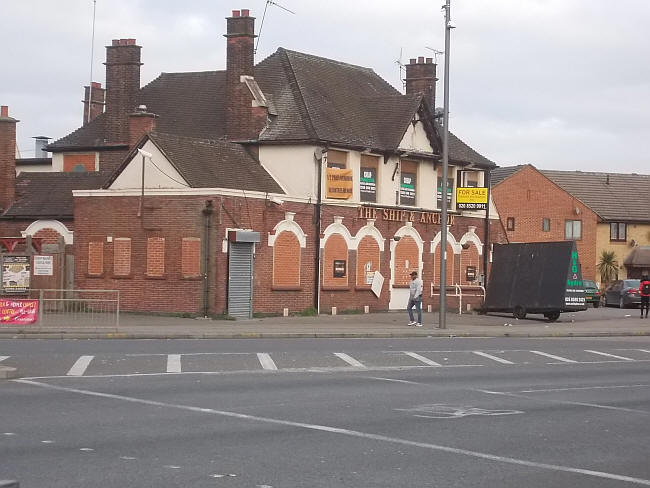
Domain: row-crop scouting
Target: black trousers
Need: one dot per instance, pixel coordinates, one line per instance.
(645, 303)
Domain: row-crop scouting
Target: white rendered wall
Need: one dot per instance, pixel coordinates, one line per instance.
(415, 139)
(293, 167)
(162, 176)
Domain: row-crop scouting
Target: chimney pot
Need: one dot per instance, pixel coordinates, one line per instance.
(412, 61)
(429, 60)
(130, 42)
(245, 12)
(96, 84)
(420, 59)
(4, 111)
(236, 13)
(116, 42)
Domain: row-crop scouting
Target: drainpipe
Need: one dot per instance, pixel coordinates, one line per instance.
(486, 238)
(319, 154)
(207, 212)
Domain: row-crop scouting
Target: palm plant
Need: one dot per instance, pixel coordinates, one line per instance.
(608, 266)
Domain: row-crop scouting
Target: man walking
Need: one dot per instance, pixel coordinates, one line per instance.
(415, 299)
(644, 288)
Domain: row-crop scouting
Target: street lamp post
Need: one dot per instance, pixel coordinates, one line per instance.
(445, 167)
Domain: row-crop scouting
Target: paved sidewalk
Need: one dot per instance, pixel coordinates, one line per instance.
(590, 323)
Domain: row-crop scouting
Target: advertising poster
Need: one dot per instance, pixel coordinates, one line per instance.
(20, 312)
(368, 185)
(339, 183)
(43, 265)
(15, 274)
(407, 189)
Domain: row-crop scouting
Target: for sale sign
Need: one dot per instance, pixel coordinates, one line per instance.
(19, 312)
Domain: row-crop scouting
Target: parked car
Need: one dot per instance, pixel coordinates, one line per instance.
(622, 293)
(592, 293)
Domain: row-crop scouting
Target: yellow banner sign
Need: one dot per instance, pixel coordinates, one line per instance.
(471, 195)
(339, 183)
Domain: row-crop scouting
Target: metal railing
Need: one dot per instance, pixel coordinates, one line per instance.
(81, 308)
(458, 293)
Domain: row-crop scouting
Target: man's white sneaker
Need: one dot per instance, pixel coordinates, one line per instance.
(411, 323)
(418, 325)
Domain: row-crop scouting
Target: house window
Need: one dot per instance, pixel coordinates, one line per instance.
(337, 159)
(95, 258)
(573, 229)
(407, 187)
(368, 178)
(121, 256)
(190, 257)
(156, 257)
(546, 224)
(510, 223)
(617, 231)
(450, 192)
(286, 261)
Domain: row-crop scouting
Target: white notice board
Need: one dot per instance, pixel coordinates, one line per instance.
(43, 265)
(377, 283)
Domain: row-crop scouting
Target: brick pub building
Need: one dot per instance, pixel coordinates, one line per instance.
(269, 187)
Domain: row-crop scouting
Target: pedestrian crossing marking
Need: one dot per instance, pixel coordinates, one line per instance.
(266, 361)
(79, 367)
(423, 359)
(494, 358)
(2, 358)
(350, 360)
(609, 355)
(174, 363)
(553, 356)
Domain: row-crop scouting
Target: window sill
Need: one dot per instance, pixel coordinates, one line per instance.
(335, 288)
(155, 277)
(286, 288)
(94, 275)
(192, 278)
(122, 277)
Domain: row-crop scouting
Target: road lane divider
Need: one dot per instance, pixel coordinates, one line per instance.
(174, 363)
(349, 359)
(266, 361)
(80, 366)
(553, 356)
(606, 354)
(422, 359)
(493, 358)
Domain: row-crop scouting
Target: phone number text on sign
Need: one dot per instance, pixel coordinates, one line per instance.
(18, 311)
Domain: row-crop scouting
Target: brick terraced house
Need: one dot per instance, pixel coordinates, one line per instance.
(268, 187)
(600, 211)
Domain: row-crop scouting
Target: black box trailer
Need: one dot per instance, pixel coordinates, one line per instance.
(535, 277)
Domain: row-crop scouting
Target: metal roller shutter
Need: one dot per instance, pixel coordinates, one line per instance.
(240, 280)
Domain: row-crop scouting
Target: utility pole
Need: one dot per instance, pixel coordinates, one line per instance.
(445, 168)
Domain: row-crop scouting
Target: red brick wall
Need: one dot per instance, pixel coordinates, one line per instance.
(70, 161)
(122, 256)
(450, 277)
(286, 261)
(191, 257)
(367, 252)
(48, 236)
(176, 217)
(469, 257)
(7, 160)
(95, 258)
(529, 196)
(335, 249)
(406, 250)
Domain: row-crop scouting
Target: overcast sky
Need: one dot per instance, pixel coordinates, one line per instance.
(561, 84)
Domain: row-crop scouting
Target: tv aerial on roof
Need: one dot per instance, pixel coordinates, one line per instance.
(436, 53)
(400, 63)
(275, 4)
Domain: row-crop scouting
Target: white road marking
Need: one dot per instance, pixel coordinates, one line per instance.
(352, 433)
(558, 358)
(393, 380)
(193, 354)
(350, 360)
(127, 458)
(86, 449)
(8, 433)
(174, 363)
(585, 388)
(611, 361)
(566, 402)
(266, 361)
(644, 350)
(47, 442)
(171, 466)
(428, 361)
(79, 368)
(494, 358)
(609, 355)
(2, 358)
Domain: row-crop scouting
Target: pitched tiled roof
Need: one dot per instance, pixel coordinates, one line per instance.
(497, 175)
(638, 257)
(613, 196)
(48, 194)
(206, 163)
(310, 99)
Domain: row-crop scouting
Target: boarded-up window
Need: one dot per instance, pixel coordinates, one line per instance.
(368, 178)
(155, 256)
(407, 260)
(286, 260)
(408, 180)
(191, 257)
(450, 278)
(95, 258)
(122, 256)
(78, 162)
(335, 252)
(368, 256)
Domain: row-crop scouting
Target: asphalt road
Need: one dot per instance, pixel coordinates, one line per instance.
(327, 413)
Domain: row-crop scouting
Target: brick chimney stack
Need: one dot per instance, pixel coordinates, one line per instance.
(421, 78)
(96, 105)
(122, 85)
(240, 35)
(7, 159)
(141, 122)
